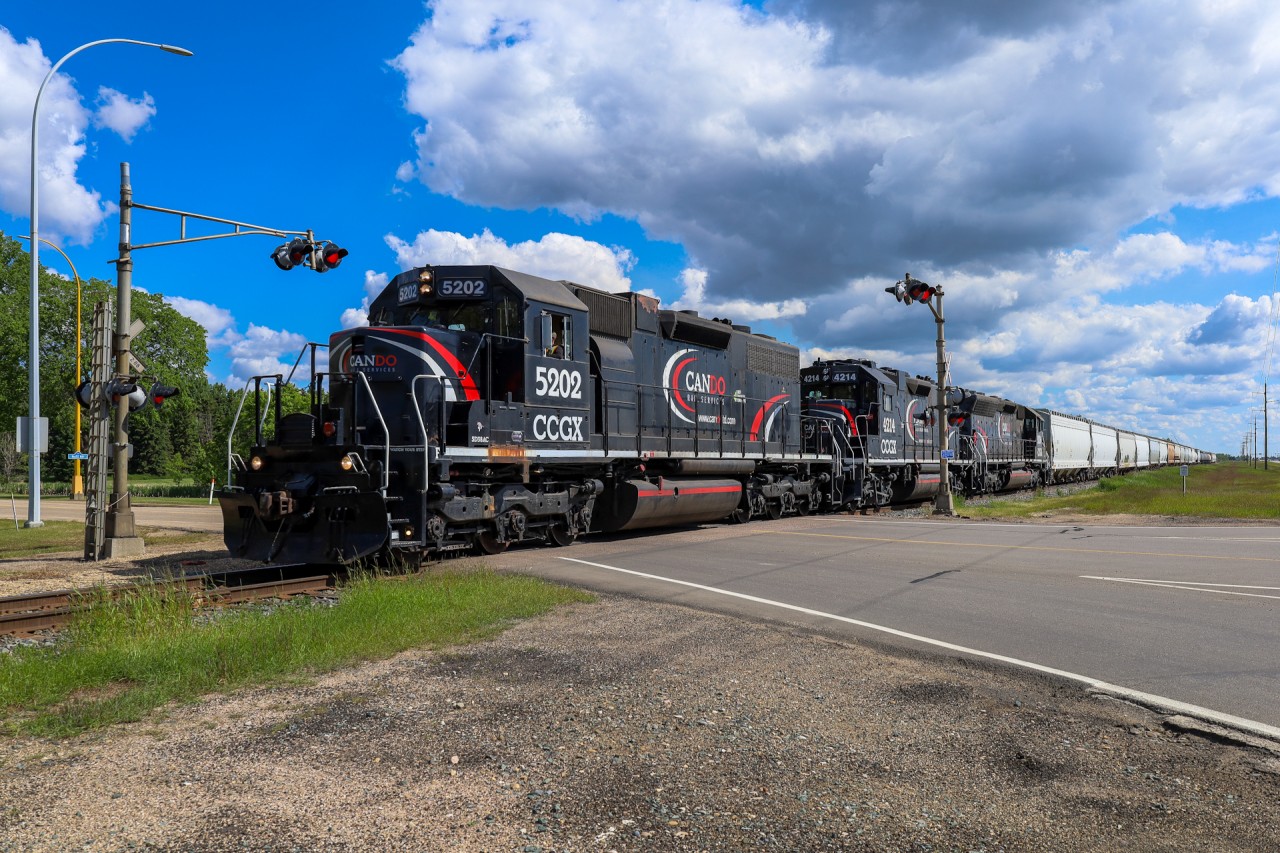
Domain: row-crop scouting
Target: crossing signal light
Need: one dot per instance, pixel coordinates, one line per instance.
(327, 256)
(289, 255)
(84, 394)
(159, 393)
(917, 290)
(128, 389)
(956, 419)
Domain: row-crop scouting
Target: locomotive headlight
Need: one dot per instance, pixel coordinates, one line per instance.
(256, 463)
(425, 286)
(346, 463)
(408, 532)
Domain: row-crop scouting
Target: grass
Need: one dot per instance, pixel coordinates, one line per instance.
(125, 658)
(1224, 490)
(62, 537)
(53, 538)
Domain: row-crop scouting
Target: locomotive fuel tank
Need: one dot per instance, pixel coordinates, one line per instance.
(635, 504)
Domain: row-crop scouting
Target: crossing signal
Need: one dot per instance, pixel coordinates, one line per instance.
(84, 394)
(159, 393)
(126, 388)
(917, 289)
(327, 256)
(289, 255)
(899, 292)
(956, 419)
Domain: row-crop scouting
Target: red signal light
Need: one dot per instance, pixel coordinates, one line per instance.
(328, 255)
(920, 292)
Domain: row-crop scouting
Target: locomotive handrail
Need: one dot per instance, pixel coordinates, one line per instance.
(422, 426)
(312, 345)
(236, 420)
(386, 436)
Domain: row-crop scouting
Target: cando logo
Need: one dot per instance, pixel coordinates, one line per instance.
(366, 361)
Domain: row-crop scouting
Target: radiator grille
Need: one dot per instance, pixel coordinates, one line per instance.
(610, 314)
(781, 363)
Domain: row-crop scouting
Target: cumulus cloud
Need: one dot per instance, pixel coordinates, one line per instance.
(694, 298)
(262, 351)
(122, 114)
(374, 282)
(67, 209)
(219, 325)
(822, 140)
(555, 256)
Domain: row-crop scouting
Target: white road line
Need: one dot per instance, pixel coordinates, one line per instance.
(1162, 704)
(1050, 524)
(1191, 586)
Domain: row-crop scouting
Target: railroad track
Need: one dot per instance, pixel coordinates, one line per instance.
(46, 611)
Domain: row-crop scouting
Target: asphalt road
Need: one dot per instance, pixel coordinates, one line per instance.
(1187, 613)
(197, 518)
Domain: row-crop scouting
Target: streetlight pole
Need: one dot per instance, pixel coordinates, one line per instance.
(33, 355)
(77, 481)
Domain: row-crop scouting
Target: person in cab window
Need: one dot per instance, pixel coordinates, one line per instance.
(555, 350)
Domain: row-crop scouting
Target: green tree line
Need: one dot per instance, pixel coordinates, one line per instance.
(185, 439)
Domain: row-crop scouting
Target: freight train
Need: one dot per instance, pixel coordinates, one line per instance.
(483, 406)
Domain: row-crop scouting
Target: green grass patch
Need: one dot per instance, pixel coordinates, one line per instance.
(1224, 490)
(125, 658)
(53, 538)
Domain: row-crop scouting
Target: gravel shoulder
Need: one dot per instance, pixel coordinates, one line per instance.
(631, 725)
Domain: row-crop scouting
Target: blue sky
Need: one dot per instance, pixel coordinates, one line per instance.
(1095, 186)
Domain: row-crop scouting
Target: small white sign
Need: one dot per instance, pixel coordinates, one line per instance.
(1185, 470)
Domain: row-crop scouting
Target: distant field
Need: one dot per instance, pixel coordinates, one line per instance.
(1224, 490)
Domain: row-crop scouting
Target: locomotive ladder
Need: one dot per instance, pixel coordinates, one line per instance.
(96, 497)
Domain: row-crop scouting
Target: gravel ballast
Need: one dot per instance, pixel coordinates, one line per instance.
(630, 725)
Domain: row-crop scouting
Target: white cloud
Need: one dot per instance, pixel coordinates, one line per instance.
(821, 142)
(694, 298)
(219, 325)
(374, 282)
(122, 114)
(68, 210)
(555, 256)
(264, 351)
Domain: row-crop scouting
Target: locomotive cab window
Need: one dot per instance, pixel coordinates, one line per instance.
(557, 336)
(459, 317)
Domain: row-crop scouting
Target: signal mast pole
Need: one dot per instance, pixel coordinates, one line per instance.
(321, 256)
(914, 290)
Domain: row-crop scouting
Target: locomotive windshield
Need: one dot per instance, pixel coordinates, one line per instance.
(464, 317)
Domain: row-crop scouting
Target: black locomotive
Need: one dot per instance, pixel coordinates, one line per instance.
(483, 406)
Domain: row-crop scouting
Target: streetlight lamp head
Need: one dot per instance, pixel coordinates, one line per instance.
(173, 48)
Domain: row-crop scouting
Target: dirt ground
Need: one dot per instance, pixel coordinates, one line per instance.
(629, 725)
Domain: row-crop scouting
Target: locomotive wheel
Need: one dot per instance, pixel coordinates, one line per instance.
(740, 516)
(488, 542)
(774, 509)
(559, 535)
(802, 506)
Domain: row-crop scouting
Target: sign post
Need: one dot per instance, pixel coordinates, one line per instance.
(1185, 471)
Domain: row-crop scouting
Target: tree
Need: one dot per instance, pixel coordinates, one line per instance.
(172, 347)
